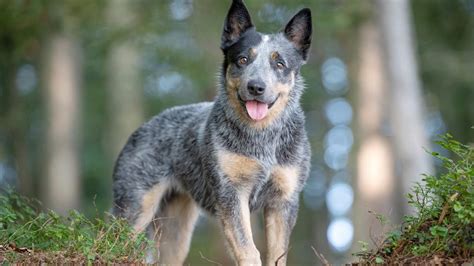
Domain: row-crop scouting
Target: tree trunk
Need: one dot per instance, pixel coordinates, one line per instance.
(124, 92)
(375, 171)
(405, 95)
(62, 191)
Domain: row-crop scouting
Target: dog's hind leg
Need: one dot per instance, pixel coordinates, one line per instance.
(149, 203)
(174, 228)
(139, 205)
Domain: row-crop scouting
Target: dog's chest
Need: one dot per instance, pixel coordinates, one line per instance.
(252, 175)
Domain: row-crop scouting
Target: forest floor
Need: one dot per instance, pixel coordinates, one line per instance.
(26, 256)
(29, 235)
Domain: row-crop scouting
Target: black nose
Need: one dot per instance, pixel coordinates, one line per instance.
(256, 87)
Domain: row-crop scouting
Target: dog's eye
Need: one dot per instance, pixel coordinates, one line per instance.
(280, 65)
(243, 60)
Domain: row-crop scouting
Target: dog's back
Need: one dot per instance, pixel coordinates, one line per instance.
(161, 150)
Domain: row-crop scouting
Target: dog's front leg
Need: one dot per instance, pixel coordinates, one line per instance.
(234, 215)
(280, 219)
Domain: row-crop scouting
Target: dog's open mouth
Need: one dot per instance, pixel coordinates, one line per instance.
(257, 110)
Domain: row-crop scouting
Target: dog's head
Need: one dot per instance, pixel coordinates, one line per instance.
(261, 70)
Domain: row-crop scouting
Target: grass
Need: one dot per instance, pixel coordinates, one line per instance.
(28, 235)
(442, 230)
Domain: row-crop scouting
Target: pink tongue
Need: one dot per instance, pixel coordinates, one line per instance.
(256, 110)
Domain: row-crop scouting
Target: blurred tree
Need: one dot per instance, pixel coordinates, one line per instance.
(406, 105)
(376, 189)
(123, 88)
(62, 96)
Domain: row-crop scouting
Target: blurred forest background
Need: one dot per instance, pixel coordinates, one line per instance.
(383, 80)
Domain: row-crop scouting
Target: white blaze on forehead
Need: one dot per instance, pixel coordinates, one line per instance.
(264, 49)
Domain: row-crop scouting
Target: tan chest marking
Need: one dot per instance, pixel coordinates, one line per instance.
(285, 178)
(238, 168)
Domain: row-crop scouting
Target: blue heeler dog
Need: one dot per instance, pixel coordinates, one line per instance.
(246, 151)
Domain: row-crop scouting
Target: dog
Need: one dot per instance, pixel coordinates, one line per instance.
(248, 150)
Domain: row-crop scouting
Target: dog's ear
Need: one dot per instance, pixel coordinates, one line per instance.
(236, 23)
(299, 30)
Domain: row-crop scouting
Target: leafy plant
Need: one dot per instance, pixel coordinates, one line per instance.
(52, 237)
(443, 226)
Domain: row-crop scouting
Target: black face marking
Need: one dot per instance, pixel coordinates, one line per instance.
(277, 62)
(281, 66)
(242, 48)
(250, 39)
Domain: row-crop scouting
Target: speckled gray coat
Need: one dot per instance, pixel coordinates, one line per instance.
(217, 156)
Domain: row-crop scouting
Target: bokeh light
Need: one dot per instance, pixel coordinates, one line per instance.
(340, 234)
(168, 84)
(339, 198)
(315, 188)
(334, 76)
(181, 9)
(336, 157)
(338, 112)
(26, 79)
(340, 136)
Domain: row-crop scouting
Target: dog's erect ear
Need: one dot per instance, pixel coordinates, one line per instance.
(299, 30)
(236, 23)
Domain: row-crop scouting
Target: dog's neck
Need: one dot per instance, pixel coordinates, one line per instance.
(227, 128)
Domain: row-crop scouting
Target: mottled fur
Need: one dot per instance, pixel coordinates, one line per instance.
(213, 156)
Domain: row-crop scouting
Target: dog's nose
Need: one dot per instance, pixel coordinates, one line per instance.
(256, 87)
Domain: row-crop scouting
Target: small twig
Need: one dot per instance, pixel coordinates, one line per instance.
(208, 260)
(398, 249)
(446, 207)
(281, 256)
(320, 256)
(372, 237)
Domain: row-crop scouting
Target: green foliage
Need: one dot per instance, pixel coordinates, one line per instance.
(22, 225)
(379, 260)
(444, 221)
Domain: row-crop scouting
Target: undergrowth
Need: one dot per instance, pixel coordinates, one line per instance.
(31, 236)
(442, 230)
